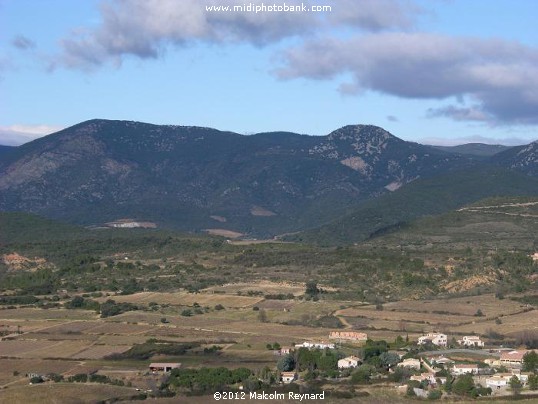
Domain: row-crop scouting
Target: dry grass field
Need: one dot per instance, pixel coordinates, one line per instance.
(24, 314)
(265, 287)
(467, 306)
(187, 299)
(60, 393)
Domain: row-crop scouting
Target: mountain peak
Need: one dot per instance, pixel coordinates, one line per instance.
(361, 133)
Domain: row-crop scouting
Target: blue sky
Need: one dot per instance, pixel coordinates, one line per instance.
(431, 71)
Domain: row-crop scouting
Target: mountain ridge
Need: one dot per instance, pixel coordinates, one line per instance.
(184, 176)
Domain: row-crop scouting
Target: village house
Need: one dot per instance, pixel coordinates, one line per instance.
(163, 366)
(465, 368)
(435, 338)
(410, 363)
(513, 358)
(471, 341)
(348, 336)
(440, 360)
(493, 362)
(428, 376)
(315, 345)
(285, 350)
(496, 381)
(349, 362)
(288, 377)
(503, 379)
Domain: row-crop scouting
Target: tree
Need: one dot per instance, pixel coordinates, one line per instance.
(262, 316)
(389, 359)
(311, 289)
(530, 361)
(286, 363)
(362, 374)
(463, 386)
(515, 385)
(533, 382)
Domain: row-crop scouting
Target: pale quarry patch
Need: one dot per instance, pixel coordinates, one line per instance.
(356, 163)
(259, 211)
(393, 186)
(224, 233)
(221, 219)
(131, 223)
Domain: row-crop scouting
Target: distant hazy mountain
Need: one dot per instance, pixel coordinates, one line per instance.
(475, 149)
(5, 149)
(196, 178)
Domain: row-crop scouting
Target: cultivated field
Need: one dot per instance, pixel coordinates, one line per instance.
(187, 299)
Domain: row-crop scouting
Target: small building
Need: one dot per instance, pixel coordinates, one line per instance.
(496, 382)
(434, 338)
(288, 377)
(493, 362)
(471, 341)
(465, 368)
(163, 366)
(315, 345)
(349, 362)
(410, 363)
(351, 336)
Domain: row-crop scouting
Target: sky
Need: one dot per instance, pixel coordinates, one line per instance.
(440, 72)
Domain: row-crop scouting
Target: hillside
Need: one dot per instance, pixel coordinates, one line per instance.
(194, 178)
(493, 223)
(522, 158)
(4, 150)
(422, 197)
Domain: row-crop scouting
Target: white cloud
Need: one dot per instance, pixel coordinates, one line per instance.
(16, 135)
(142, 28)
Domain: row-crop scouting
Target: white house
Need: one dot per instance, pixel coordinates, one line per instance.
(314, 345)
(428, 376)
(288, 377)
(471, 340)
(435, 338)
(349, 362)
(496, 382)
(465, 368)
(410, 363)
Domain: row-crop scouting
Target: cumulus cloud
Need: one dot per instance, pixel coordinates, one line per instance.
(143, 28)
(501, 76)
(23, 43)
(15, 135)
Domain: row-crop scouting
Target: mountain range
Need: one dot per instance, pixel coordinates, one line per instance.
(261, 185)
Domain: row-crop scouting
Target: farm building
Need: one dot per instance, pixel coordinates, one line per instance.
(163, 366)
(496, 382)
(349, 362)
(348, 336)
(471, 340)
